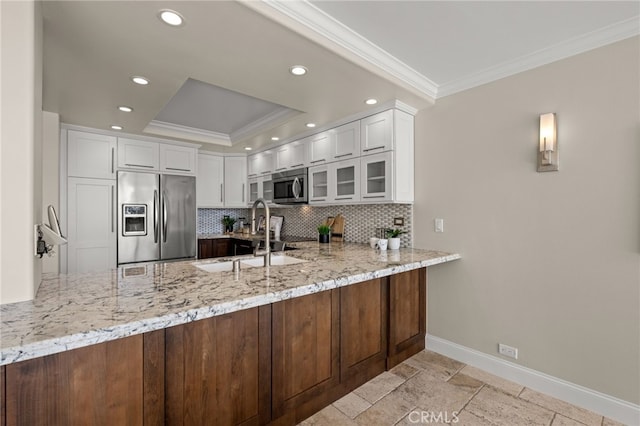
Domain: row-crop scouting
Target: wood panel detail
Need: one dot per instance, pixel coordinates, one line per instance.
(153, 376)
(407, 315)
(217, 370)
(305, 349)
(97, 385)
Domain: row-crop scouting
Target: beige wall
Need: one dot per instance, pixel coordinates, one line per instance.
(21, 148)
(551, 261)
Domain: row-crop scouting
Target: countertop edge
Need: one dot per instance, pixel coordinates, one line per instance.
(101, 335)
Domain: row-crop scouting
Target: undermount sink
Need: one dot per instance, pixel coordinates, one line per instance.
(249, 262)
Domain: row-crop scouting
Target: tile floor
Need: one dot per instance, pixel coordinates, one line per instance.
(430, 388)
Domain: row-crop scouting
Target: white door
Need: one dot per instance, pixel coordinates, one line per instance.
(91, 222)
(320, 147)
(210, 181)
(177, 159)
(319, 184)
(345, 176)
(347, 143)
(235, 182)
(91, 155)
(141, 155)
(376, 133)
(376, 177)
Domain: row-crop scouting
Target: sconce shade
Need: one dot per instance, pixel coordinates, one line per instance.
(548, 143)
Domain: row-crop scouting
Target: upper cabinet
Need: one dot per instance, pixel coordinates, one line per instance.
(154, 156)
(177, 159)
(235, 182)
(377, 132)
(91, 155)
(260, 163)
(291, 156)
(321, 147)
(347, 141)
(134, 154)
(210, 181)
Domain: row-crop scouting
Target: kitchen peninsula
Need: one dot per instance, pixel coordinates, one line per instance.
(159, 329)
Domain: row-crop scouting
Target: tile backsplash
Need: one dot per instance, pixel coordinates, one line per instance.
(302, 221)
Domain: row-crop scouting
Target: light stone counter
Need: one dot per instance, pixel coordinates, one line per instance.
(72, 311)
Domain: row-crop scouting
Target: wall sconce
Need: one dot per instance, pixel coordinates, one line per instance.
(548, 148)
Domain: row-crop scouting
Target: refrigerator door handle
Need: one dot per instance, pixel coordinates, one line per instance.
(164, 217)
(155, 216)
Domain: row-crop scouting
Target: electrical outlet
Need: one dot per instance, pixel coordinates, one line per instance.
(507, 350)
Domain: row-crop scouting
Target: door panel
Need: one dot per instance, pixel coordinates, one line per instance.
(178, 212)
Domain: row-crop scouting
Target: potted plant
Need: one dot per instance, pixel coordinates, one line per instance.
(394, 240)
(323, 233)
(228, 223)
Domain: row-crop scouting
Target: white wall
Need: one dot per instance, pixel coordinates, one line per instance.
(551, 261)
(21, 148)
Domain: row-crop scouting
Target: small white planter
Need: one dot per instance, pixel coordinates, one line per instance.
(394, 243)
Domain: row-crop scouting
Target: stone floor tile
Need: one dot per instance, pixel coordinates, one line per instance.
(379, 386)
(351, 405)
(461, 379)
(418, 416)
(501, 408)
(328, 416)
(433, 395)
(427, 359)
(404, 370)
(495, 381)
(387, 411)
(609, 422)
(465, 418)
(560, 420)
(567, 410)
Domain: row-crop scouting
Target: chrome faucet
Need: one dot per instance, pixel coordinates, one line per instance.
(267, 243)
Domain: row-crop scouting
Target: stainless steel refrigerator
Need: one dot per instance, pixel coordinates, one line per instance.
(156, 217)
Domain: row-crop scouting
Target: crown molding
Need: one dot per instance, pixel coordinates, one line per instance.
(272, 119)
(320, 27)
(602, 37)
(308, 20)
(163, 128)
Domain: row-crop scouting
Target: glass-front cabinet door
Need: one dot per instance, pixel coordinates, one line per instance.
(376, 177)
(318, 184)
(346, 178)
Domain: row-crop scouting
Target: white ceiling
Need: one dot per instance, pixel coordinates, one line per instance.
(412, 51)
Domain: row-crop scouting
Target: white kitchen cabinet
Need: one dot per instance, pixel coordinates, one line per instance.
(177, 159)
(319, 184)
(235, 182)
(255, 189)
(347, 141)
(290, 156)
(345, 179)
(210, 181)
(261, 187)
(376, 133)
(91, 155)
(91, 224)
(320, 147)
(260, 163)
(135, 154)
(376, 175)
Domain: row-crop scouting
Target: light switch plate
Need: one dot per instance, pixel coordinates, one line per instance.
(439, 225)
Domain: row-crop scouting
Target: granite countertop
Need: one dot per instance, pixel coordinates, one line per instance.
(77, 310)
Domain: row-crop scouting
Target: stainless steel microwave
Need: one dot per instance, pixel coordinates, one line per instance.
(290, 187)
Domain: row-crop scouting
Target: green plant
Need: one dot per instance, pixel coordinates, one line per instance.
(228, 221)
(324, 229)
(395, 233)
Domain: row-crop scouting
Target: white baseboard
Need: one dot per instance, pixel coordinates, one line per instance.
(608, 406)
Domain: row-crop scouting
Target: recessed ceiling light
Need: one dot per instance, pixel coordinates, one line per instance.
(140, 80)
(298, 70)
(275, 138)
(125, 108)
(247, 148)
(371, 101)
(311, 125)
(171, 17)
(116, 127)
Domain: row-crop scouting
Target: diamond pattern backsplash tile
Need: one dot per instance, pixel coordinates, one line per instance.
(362, 221)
